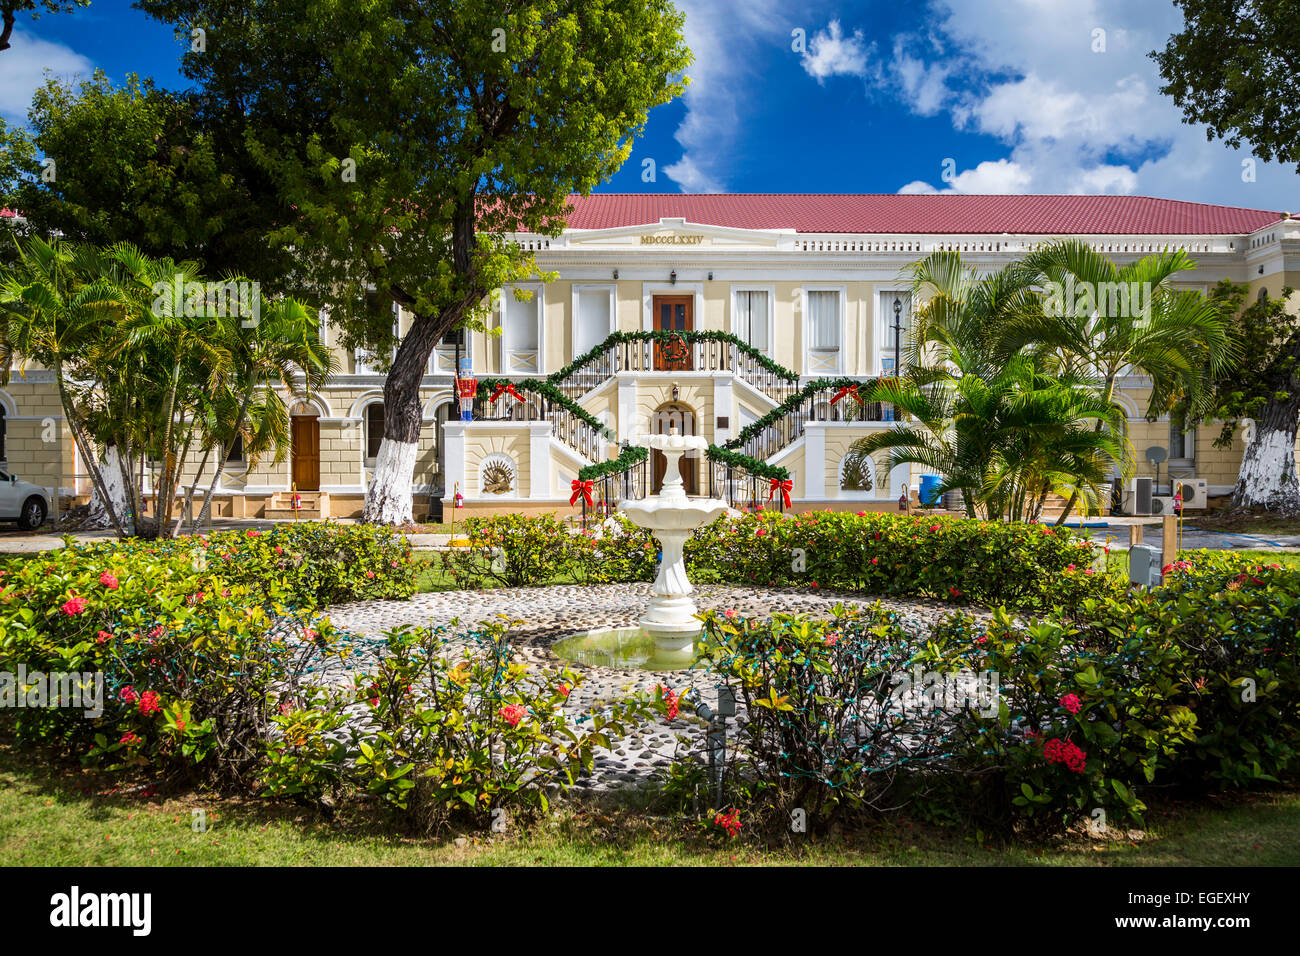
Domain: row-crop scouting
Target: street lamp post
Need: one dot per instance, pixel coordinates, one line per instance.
(898, 336)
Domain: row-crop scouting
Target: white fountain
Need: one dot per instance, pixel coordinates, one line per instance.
(672, 517)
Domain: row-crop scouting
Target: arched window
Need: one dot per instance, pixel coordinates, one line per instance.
(374, 428)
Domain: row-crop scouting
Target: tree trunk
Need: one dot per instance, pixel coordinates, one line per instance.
(389, 495)
(221, 465)
(1267, 478)
(111, 470)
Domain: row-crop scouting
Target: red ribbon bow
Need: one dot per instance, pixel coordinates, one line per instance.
(846, 390)
(784, 487)
(505, 389)
(582, 489)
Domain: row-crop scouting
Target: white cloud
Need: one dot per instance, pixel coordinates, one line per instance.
(725, 37)
(22, 70)
(1073, 120)
(831, 53)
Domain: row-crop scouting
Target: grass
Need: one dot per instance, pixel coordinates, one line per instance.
(65, 817)
(1262, 523)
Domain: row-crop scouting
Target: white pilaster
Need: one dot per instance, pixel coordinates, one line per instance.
(453, 439)
(814, 461)
(724, 405)
(539, 459)
(627, 420)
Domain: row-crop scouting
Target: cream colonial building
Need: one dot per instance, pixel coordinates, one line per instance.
(812, 283)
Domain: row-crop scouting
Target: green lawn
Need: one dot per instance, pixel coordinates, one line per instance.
(69, 817)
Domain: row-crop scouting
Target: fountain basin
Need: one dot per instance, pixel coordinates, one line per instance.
(625, 648)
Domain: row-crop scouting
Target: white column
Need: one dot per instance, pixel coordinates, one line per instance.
(539, 459)
(453, 438)
(814, 461)
(627, 422)
(723, 405)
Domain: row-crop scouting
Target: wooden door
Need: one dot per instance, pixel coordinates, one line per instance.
(673, 313)
(305, 434)
(683, 419)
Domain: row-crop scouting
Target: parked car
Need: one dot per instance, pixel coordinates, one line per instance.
(22, 501)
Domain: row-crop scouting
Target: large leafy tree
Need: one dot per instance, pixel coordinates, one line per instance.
(1236, 68)
(1264, 389)
(9, 10)
(411, 154)
(138, 164)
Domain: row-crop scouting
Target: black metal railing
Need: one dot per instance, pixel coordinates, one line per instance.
(687, 355)
(566, 426)
(742, 489)
(818, 407)
(632, 482)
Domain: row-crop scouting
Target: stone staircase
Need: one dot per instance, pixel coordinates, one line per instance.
(312, 505)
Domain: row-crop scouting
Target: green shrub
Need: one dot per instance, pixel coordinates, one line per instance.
(196, 640)
(514, 550)
(189, 665)
(824, 732)
(449, 737)
(951, 559)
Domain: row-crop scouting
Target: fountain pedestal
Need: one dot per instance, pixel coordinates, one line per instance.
(672, 518)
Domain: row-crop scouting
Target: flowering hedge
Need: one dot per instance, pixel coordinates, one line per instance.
(952, 559)
(1195, 682)
(196, 639)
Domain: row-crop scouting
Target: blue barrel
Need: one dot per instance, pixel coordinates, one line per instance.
(929, 492)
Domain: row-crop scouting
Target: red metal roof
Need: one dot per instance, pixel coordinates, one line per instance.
(944, 213)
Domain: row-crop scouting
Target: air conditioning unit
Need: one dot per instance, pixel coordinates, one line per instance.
(1162, 505)
(1195, 492)
(1137, 496)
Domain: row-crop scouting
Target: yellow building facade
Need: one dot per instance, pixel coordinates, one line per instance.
(814, 287)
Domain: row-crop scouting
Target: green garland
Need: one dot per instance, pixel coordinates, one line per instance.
(629, 456)
(660, 335)
(794, 401)
(486, 386)
(736, 459)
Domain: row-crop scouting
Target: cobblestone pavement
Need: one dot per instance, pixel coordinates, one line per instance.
(551, 613)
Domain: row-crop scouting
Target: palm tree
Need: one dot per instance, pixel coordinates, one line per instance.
(980, 412)
(55, 301)
(1102, 321)
(282, 351)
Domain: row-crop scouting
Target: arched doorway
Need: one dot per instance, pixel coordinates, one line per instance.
(667, 417)
(304, 431)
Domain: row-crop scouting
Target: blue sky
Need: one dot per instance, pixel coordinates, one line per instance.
(981, 96)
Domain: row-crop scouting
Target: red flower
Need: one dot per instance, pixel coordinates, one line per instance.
(512, 714)
(1065, 752)
(1071, 703)
(728, 821)
(128, 739)
(564, 690)
(934, 527)
(149, 703)
(102, 636)
(730, 612)
(814, 584)
(875, 560)
(108, 581)
(831, 640)
(74, 606)
(953, 591)
(670, 702)
(1069, 567)
(128, 694)
(254, 534)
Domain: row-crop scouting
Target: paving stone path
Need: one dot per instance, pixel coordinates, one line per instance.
(550, 613)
